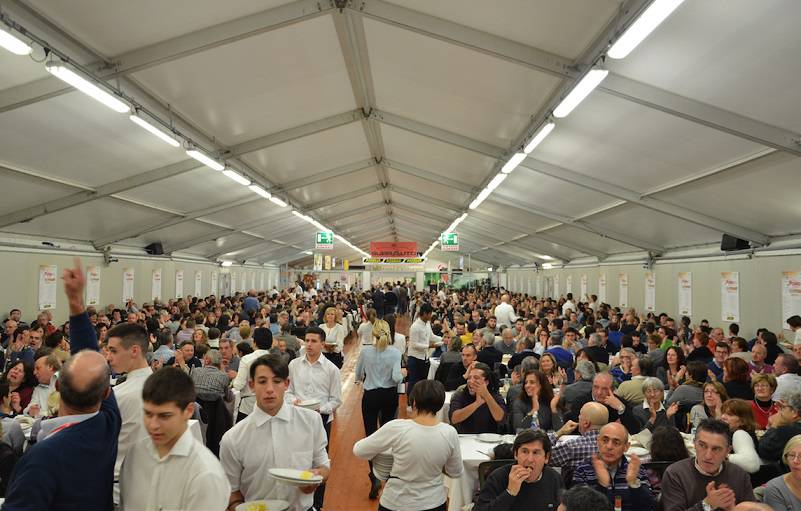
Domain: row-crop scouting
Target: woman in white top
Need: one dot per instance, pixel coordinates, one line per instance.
(334, 337)
(422, 449)
(365, 331)
(737, 413)
(398, 340)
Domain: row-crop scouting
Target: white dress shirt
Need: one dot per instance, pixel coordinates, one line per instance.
(337, 334)
(41, 393)
(320, 380)
(188, 477)
(420, 337)
(505, 314)
(568, 305)
(129, 401)
(247, 400)
(420, 453)
(293, 438)
(365, 333)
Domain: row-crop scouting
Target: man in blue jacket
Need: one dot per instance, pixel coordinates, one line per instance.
(71, 467)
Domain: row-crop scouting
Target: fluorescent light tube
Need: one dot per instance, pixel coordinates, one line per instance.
(298, 214)
(236, 176)
(62, 72)
(546, 129)
(481, 196)
(226, 263)
(580, 91)
(138, 120)
(642, 27)
(14, 44)
(277, 201)
(513, 162)
(547, 266)
(496, 181)
(258, 190)
(205, 159)
(308, 252)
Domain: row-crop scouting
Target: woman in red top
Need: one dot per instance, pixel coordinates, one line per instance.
(764, 386)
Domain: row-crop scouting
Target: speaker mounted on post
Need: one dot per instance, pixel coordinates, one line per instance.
(732, 243)
(155, 248)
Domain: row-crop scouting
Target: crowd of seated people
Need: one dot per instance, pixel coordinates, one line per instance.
(575, 380)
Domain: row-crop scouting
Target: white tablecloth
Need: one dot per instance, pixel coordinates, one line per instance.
(432, 368)
(460, 490)
(442, 415)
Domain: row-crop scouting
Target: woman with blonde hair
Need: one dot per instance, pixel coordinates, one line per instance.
(365, 331)
(784, 492)
(335, 335)
(379, 370)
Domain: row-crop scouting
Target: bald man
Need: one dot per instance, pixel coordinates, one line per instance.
(71, 466)
(505, 313)
(569, 453)
(615, 476)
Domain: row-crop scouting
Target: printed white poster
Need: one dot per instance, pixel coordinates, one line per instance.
(791, 295)
(234, 282)
(252, 280)
(650, 291)
(583, 287)
(685, 283)
(198, 283)
(243, 282)
(623, 280)
(93, 285)
(569, 284)
(555, 287)
(48, 284)
(214, 278)
(730, 295)
(127, 285)
(179, 283)
(602, 288)
(261, 281)
(538, 287)
(155, 286)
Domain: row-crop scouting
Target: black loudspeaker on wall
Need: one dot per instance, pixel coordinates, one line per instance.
(729, 243)
(155, 249)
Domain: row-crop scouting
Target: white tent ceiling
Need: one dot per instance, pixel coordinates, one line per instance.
(384, 119)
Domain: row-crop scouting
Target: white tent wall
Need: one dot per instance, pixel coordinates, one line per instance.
(19, 273)
(759, 279)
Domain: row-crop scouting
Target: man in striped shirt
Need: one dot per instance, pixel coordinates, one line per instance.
(570, 452)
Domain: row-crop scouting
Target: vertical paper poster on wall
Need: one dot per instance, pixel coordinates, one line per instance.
(318, 262)
(234, 282)
(261, 281)
(650, 291)
(252, 281)
(555, 287)
(48, 283)
(214, 283)
(538, 287)
(623, 280)
(583, 285)
(602, 287)
(730, 295)
(93, 285)
(685, 282)
(327, 262)
(243, 282)
(791, 295)
(127, 285)
(198, 283)
(155, 286)
(569, 284)
(179, 283)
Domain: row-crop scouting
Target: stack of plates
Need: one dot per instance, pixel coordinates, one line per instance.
(490, 438)
(382, 465)
(294, 477)
(263, 505)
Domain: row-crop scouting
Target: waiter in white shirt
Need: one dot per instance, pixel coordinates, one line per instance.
(421, 338)
(275, 435)
(314, 377)
(505, 313)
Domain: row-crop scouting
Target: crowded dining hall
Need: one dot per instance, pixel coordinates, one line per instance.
(385, 255)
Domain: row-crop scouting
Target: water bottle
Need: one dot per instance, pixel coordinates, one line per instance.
(535, 424)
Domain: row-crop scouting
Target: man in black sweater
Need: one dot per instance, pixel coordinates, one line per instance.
(458, 372)
(528, 484)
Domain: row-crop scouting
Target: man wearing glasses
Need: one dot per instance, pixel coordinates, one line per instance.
(707, 481)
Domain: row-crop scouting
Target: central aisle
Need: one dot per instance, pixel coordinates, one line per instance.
(348, 485)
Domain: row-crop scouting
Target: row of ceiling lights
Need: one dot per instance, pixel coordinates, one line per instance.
(59, 66)
(651, 17)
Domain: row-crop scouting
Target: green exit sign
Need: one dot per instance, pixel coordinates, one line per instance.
(325, 240)
(449, 241)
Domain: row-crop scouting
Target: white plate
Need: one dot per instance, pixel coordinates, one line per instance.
(490, 438)
(293, 477)
(639, 451)
(509, 439)
(272, 505)
(309, 403)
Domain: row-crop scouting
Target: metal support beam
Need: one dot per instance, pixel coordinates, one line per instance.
(237, 229)
(333, 201)
(618, 192)
(266, 253)
(508, 202)
(431, 177)
(499, 244)
(433, 201)
(342, 170)
(346, 230)
(139, 230)
(424, 215)
(171, 49)
(357, 211)
(105, 190)
(294, 133)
